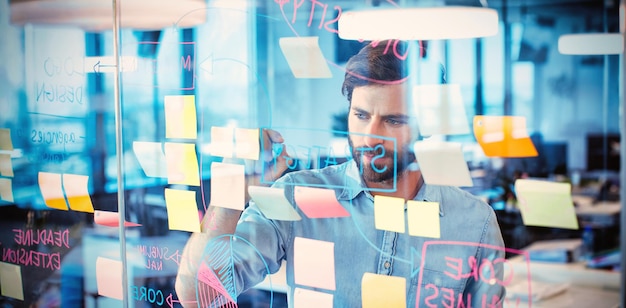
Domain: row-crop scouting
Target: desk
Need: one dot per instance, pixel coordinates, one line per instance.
(588, 287)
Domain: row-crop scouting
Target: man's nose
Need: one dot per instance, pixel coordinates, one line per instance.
(373, 134)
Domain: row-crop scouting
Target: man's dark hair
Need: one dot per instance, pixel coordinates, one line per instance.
(382, 62)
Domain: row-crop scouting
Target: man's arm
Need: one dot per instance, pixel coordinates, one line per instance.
(219, 221)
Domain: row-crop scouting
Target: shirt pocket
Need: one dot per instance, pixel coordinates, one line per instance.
(434, 288)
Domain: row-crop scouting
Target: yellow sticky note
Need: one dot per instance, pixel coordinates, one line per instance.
(180, 117)
(51, 188)
(228, 184)
(182, 210)
(247, 143)
(222, 141)
(6, 190)
(383, 291)
(503, 136)
(11, 280)
(304, 56)
(303, 298)
(423, 218)
(546, 204)
(182, 164)
(151, 158)
(109, 278)
(314, 263)
(6, 167)
(76, 191)
(440, 109)
(442, 163)
(389, 213)
(273, 203)
(6, 143)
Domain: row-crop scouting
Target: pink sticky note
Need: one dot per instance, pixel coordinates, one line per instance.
(318, 202)
(314, 263)
(110, 219)
(228, 184)
(182, 164)
(109, 278)
(303, 298)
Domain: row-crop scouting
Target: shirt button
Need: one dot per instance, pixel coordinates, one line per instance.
(387, 264)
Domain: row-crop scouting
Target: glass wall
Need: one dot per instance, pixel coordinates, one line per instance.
(122, 123)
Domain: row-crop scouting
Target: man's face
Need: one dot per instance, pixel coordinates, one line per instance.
(380, 111)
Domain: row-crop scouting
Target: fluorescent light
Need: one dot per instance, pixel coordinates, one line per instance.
(591, 44)
(97, 15)
(432, 23)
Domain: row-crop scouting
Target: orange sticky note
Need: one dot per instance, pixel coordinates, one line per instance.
(423, 218)
(109, 278)
(383, 291)
(303, 298)
(389, 213)
(503, 136)
(11, 281)
(546, 204)
(247, 143)
(314, 263)
(51, 188)
(6, 167)
(6, 190)
(151, 158)
(180, 116)
(76, 191)
(6, 144)
(273, 203)
(182, 210)
(110, 219)
(228, 184)
(222, 141)
(318, 202)
(182, 164)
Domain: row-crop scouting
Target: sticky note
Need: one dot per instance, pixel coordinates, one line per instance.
(76, 191)
(151, 158)
(228, 186)
(109, 278)
(51, 187)
(6, 144)
(314, 263)
(546, 204)
(383, 291)
(423, 218)
(182, 210)
(180, 116)
(389, 213)
(440, 109)
(273, 203)
(222, 141)
(303, 298)
(247, 143)
(6, 167)
(503, 136)
(11, 281)
(304, 56)
(442, 163)
(182, 164)
(6, 190)
(110, 219)
(318, 202)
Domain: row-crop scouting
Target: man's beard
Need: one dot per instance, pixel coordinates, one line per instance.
(381, 173)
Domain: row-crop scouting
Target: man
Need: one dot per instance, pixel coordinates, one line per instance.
(464, 267)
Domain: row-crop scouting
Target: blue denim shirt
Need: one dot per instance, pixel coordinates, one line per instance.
(464, 264)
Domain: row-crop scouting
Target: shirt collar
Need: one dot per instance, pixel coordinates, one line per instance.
(354, 186)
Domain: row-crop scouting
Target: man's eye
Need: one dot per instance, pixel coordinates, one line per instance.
(360, 115)
(395, 122)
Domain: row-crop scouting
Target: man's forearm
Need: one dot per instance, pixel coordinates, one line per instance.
(216, 222)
